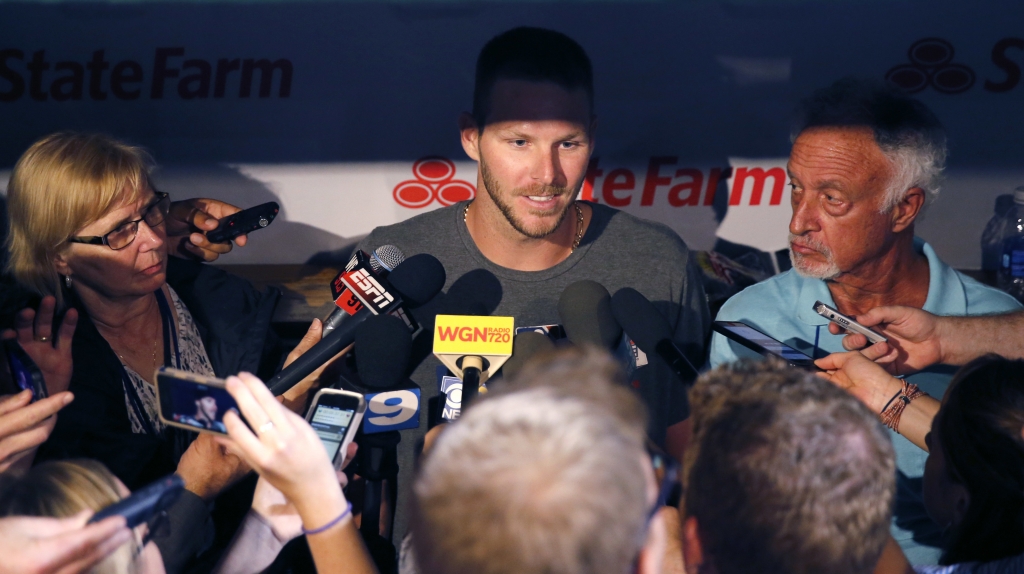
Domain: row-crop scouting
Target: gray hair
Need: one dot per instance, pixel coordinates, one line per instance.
(773, 451)
(906, 131)
(534, 481)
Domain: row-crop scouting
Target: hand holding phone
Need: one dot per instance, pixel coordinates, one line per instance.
(335, 416)
(192, 402)
(848, 323)
(244, 222)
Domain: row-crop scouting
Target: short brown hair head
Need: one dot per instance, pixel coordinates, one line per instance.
(787, 472)
(62, 183)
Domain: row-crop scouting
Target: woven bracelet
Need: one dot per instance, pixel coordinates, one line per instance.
(893, 410)
(344, 513)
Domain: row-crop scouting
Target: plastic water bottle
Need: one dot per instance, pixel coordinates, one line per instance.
(1011, 266)
(992, 237)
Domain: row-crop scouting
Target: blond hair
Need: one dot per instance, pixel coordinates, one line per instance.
(62, 183)
(541, 477)
(61, 489)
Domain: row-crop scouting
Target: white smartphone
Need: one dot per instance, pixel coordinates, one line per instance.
(192, 402)
(335, 416)
(848, 323)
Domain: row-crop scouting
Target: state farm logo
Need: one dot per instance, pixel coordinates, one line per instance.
(931, 64)
(434, 180)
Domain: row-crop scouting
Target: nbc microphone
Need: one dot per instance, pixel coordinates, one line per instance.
(413, 283)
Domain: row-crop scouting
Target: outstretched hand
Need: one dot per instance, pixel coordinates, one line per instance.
(861, 377)
(914, 338)
(44, 545)
(52, 354)
(24, 426)
(284, 450)
(188, 222)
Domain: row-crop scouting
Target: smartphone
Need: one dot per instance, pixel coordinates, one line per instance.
(848, 323)
(245, 221)
(191, 401)
(755, 340)
(144, 503)
(335, 416)
(23, 372)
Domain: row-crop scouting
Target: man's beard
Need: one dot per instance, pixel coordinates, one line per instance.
(504, 202)
(824, 271)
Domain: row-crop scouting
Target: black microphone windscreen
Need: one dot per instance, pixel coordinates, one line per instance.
(418, 279)
(382, 347)
(640, 319)
(585, 310)
(525, 346)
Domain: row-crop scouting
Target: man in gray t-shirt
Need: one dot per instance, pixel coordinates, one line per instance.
(514, 248)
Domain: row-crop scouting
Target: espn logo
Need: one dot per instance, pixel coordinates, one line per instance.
(369, 290)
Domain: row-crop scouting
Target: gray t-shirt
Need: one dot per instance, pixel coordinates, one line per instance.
(618, 250)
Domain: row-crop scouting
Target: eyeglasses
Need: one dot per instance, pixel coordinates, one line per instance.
(154, 215)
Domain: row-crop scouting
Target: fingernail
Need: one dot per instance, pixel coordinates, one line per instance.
(68, 398)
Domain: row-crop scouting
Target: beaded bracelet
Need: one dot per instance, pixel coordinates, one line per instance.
(344, 513)
(893, 410)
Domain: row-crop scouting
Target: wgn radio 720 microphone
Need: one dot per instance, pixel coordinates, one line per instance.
(413, 283)
(473, 348)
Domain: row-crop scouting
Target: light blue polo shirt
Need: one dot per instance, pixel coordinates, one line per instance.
(782, 307)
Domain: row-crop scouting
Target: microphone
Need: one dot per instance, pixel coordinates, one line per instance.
(473, 348)
(413, 283)
(382, 261)
(585, 309)
(382, 351)
(525, 346)
(383, 348)
(650, 331)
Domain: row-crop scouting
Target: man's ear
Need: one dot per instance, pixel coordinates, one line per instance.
(906, 211)
(470, 134)
(693, 550)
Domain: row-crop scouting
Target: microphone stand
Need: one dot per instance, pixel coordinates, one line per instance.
(378, 462)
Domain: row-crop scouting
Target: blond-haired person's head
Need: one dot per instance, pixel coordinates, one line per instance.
(68, 186)
(62, 489)
(548, 475)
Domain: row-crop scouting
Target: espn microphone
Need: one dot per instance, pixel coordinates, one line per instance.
(473, 348)
(649, 329)
(382, 261)
(413, 283)
(525, 346)
(585, 309)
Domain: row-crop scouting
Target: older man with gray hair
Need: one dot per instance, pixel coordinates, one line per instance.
(863, 162)
(547, 476)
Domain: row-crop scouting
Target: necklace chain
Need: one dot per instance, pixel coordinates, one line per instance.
(579, 224)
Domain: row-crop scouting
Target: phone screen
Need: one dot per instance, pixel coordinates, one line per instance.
(194, 404)
(768, 344)
(331, 423)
